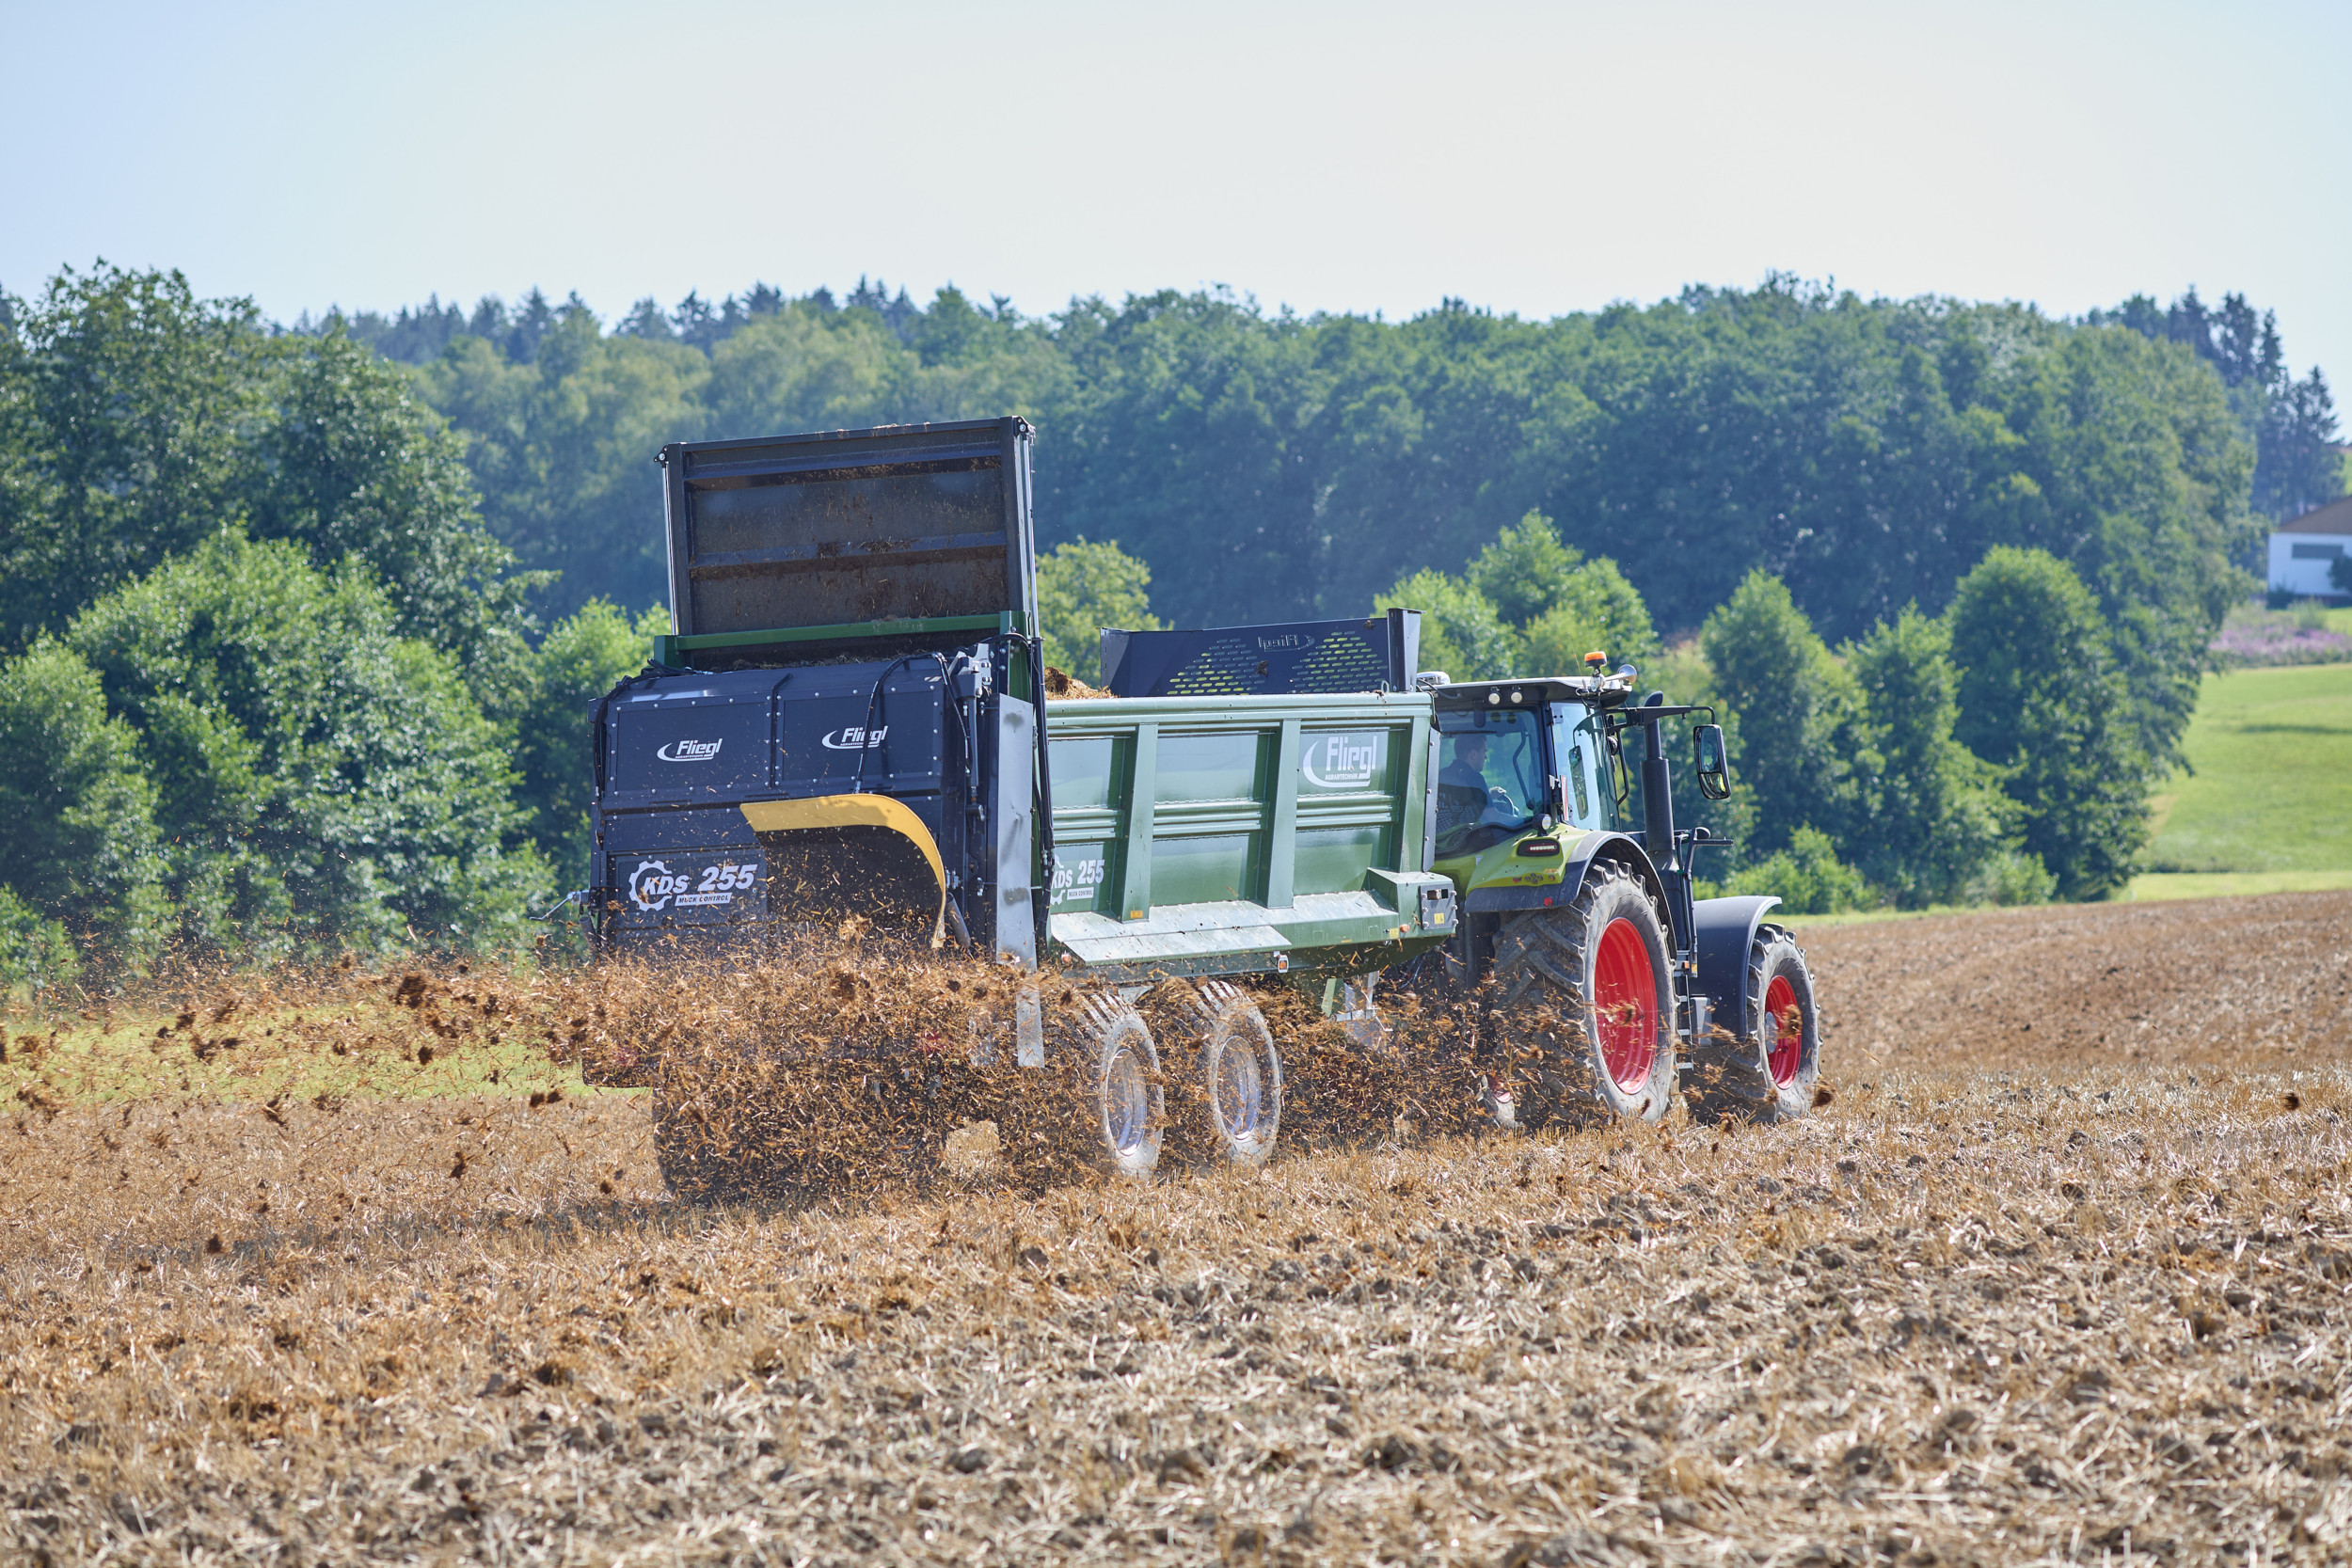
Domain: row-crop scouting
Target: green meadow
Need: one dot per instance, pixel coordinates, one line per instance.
(349, 1045)
(2265, 804)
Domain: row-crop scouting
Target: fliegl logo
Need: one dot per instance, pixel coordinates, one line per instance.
(1341, 761)
(856, 739)
(651, 886)
(689, 751)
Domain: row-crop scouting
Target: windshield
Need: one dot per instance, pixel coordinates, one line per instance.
(1490, 778)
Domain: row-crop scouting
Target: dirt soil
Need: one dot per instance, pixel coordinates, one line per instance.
(2227, 980)
(2059, 1275)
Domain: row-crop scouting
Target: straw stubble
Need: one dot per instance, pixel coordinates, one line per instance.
(1990, 1303)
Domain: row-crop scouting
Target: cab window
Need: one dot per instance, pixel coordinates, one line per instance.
(1490, 778)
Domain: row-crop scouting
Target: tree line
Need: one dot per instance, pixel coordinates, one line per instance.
(297, 627)
(1265, 466)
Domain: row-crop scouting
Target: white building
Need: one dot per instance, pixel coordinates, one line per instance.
(2302, 551)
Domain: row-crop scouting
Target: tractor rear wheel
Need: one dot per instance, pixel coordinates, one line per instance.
(1768, 1072)
(1583, 1007)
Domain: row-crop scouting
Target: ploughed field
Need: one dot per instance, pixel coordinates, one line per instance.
(2060, 1273)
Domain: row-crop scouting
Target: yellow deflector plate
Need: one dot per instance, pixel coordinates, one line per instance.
(856, 811)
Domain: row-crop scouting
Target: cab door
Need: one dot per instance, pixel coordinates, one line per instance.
(1580, 763)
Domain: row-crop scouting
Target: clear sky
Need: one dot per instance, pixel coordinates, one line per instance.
(1359, 157)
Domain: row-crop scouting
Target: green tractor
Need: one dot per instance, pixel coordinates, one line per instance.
(1603, 984)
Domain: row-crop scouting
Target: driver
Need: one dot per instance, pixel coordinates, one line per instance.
(1467, 770)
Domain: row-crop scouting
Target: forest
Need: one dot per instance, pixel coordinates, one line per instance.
(300, 623)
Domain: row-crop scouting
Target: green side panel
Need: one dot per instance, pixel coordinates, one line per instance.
(1085, 770)
(1090, 773)
(1353, 761)
(1334, 859)
(1220, 834)
(1082, 875)
(1218, 766)
(1207, 868)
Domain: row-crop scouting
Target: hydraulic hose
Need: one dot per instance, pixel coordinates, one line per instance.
(865, 746)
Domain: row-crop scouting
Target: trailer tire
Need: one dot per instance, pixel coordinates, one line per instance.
(1582, 1006)
(1112, 1087)
(1768, 1072)
(1225, 1076)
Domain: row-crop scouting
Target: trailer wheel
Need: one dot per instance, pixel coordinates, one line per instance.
(1768, 1072)
(1117, 1089)
(1227, 1077)
(1584, 1005)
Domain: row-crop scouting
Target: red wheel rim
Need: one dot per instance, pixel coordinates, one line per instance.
(1625, 1005)
(1784, 1030)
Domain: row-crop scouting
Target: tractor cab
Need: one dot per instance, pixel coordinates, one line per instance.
(1524, 770)
(1528, 771)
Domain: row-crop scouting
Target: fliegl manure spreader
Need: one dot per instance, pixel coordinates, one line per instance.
(848, 719)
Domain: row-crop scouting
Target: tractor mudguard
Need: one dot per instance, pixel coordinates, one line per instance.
(1726, 931)
(1559, 894)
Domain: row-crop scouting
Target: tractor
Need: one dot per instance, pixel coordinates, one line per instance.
(1604, 984)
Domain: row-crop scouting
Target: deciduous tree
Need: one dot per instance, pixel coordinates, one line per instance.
(1932, 816)
(77, 813)
(1797, 709)
(317, 778)
(1082, 588)
(2041, 700)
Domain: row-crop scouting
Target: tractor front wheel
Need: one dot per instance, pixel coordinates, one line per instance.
(1768, 1072)
(1583, 1006)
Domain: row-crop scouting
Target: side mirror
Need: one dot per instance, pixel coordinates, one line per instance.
(1706, 757)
